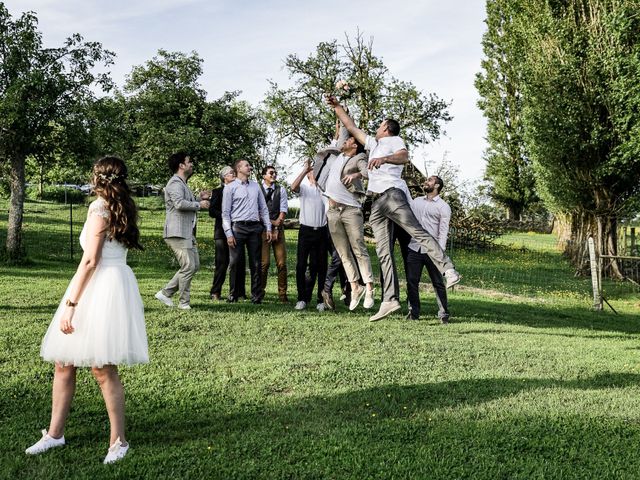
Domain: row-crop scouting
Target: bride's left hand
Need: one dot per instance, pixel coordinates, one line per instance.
(65, 321)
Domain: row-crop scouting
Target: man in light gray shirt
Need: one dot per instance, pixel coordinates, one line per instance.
(244, 217)
(434, 215)
(180, 230)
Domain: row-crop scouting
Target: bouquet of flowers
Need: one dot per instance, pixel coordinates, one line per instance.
(342, 90)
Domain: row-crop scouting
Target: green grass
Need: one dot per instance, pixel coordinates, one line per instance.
(526, 382)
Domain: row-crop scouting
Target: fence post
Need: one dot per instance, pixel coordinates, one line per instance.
(71, 229)
(595, 276)
(632, 250)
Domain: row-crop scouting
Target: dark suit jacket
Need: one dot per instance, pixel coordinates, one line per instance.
(215, 211)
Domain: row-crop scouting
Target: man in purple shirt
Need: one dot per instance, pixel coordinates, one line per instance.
(244, 218)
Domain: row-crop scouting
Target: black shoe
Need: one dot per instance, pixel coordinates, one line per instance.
(327, 299)
(411, 317)
(256, 302)
(215, 297)
(232, 300)
(444, 320)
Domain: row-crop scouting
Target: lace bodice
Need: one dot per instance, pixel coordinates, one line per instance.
(112, 250)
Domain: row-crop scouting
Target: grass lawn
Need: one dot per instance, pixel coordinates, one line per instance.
(526, 382)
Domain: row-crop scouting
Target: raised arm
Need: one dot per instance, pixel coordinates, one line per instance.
(346, 120)
(295, 186)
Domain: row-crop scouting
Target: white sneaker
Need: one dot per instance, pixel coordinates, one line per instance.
(164, 299)
(300, 305)
(386, 308)
(320, 307)
(368, 298)
(184, 306)
(116, 452)
(44, 444)
(453, 277)
(356, 297)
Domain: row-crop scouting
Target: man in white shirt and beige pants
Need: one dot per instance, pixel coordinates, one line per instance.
(434, 215)
(387, 155)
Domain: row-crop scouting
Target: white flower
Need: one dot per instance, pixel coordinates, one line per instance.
(342, 85)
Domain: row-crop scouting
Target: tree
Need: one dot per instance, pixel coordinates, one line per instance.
(582, 112)
(299, 114)
(168, 111)
(40, 88)
(509, 168)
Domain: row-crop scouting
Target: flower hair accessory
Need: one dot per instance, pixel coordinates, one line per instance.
(109, 178)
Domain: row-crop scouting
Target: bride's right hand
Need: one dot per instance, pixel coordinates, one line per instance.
(65, 321)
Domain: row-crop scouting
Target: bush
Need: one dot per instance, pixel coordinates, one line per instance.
(55, 193)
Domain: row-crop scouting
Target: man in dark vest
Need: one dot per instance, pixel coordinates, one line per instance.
(276, 198)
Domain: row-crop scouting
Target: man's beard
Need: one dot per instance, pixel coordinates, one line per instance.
(429, 189)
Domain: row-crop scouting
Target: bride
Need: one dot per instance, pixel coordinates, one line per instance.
(100, 320)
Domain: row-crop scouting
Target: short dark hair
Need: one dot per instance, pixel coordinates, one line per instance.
(266, 168)
(175, 160)
(359, 146)
(439, 182)
(393, 127)
(237, 162)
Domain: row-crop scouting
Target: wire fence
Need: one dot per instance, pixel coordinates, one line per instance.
(518, 264)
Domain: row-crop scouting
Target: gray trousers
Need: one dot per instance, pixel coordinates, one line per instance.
(186, 252)
(346, 225)
(393, 207)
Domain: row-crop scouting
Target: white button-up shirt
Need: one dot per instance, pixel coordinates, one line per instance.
(387, 175)
(434, 215)
(312, 205)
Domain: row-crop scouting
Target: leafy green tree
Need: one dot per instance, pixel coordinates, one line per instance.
(509, 168)
(40, 89)
(582, 112)
(168, 111)
(299, 114)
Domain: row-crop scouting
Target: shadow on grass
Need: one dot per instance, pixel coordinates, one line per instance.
(543, 315)
(437, 430)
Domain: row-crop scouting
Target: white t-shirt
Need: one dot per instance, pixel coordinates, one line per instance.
(312, 205)
(335, 189)
(388, 175)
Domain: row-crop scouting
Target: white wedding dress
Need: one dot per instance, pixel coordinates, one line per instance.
(109, 318)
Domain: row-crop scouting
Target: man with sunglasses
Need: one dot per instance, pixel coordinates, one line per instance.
(276, 199)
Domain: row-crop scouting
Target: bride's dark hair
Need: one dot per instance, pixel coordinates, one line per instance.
(110, 183)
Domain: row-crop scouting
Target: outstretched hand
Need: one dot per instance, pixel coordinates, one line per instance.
(332, 101)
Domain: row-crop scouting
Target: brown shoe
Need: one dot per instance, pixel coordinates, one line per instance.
(327, 299)
(284, 299)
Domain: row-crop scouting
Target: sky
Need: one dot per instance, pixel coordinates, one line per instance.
(434, 44)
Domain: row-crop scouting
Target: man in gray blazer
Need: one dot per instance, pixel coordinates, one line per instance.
(180, 230)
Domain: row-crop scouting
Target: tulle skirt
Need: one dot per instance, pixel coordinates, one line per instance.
(108, 322)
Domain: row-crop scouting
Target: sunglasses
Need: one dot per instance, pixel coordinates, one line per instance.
(273, 174)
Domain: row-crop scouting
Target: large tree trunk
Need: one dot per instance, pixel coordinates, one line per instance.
(16, 208)
(514, 212)
(573, 231)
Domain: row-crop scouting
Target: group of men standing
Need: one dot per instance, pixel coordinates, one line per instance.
(250, 216)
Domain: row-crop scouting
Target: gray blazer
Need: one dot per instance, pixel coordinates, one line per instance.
(323, 161)
(182, 210)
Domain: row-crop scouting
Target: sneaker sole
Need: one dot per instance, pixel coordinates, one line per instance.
(359, 299)
(453, 284)
(376, 318)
